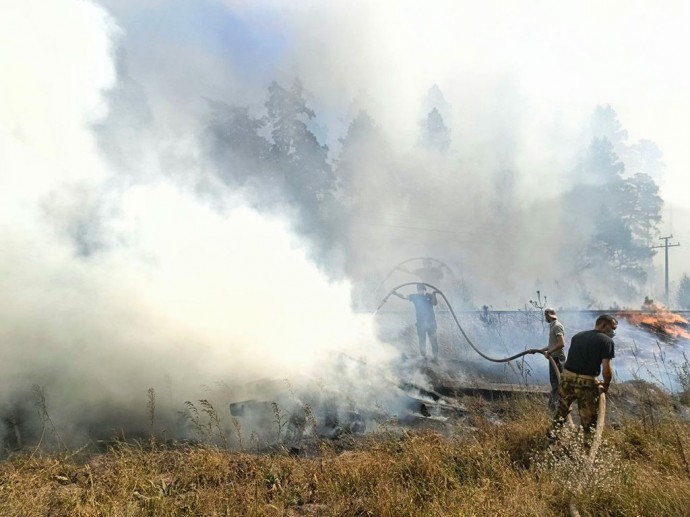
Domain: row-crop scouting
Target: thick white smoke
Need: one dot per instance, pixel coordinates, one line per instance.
(522, 81)
(171, 293)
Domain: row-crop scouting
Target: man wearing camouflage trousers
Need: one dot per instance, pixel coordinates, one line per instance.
(591, 352)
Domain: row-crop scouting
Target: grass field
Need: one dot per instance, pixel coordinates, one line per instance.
(483, 467)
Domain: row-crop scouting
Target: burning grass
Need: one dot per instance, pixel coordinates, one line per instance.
(490, 469)
(656, 318)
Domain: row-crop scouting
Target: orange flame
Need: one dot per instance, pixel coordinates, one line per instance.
(658, 319)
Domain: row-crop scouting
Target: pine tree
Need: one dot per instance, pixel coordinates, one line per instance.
(435, 99)
(435, 135)
(361, 164)
(640, 207)
(605, 124)
(295, 154)
(236, 144)
(613, 248)
(601, 164)
(626, 210)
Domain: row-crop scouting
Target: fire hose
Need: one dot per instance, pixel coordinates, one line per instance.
(596, 441)
(602, 397)
(553, 364)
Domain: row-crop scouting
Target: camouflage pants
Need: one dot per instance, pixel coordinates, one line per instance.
(586, 393)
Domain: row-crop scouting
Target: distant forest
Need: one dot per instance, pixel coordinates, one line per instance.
(597, 235)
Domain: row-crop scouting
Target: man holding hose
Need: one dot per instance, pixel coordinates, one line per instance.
(555, 350)
(591, 352)
(424, 304)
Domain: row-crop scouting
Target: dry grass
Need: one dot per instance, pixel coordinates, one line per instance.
(492, 470)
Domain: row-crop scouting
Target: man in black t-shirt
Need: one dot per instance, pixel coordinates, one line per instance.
(426, 319)
(590, 353)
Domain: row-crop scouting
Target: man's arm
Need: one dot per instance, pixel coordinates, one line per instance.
(396, 293)
(560, 345)
(560, 340)
(606, 373)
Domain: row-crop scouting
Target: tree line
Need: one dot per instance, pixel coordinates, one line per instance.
(277, 159)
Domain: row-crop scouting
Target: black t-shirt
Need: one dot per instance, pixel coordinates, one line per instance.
(587, 349)
(423, 304)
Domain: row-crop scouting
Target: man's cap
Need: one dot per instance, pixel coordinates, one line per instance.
(550, 310)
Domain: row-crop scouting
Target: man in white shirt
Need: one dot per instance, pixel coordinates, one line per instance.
(556, 350)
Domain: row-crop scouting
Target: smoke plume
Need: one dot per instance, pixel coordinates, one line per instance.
(194, 195)
(118, 280)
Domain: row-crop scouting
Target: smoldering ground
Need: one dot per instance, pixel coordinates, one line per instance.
(136, 255)
(115, 283)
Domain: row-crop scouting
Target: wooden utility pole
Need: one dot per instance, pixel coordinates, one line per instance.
(666, 246)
